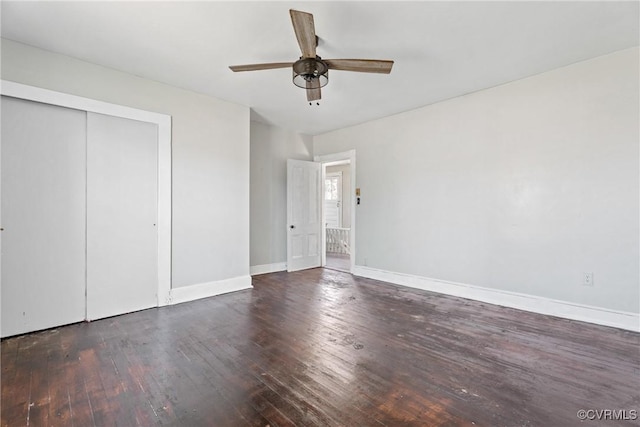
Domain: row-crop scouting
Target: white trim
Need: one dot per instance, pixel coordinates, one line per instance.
(46, 96)
(32, 93)
(209, 289)
(323, 217)
(164, 210)
(341, 158)
(568, 310)
(254, 270)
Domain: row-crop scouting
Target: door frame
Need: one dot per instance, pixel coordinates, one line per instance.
(332, 158)
(45, 96)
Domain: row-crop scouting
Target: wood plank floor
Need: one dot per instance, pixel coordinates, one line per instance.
(321, 348)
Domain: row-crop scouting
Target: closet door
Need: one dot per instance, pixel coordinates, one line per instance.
(43, 216)
(122, 206)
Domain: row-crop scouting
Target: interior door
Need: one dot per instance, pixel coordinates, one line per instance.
(304, 218)
(43, 216)
(122, 204)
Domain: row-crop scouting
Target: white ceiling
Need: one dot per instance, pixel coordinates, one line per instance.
(441, 49)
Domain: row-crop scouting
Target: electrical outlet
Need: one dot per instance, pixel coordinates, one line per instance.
(587, 279)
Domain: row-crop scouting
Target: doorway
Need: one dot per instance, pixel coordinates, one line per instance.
(337, 215)
(338, 210)
(307, 230)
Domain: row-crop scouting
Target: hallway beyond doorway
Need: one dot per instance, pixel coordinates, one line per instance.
(340, 262)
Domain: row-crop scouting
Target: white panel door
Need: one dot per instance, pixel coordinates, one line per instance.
(43, 216)
(122, 194)
(303, 215)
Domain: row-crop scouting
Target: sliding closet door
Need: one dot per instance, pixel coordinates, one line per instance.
(43, 216)
(122, 206)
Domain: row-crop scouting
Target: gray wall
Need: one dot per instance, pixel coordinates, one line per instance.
(521, 187)
(271, 146)
(210, 155)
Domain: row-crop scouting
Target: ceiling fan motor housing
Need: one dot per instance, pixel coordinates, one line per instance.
(310, 70)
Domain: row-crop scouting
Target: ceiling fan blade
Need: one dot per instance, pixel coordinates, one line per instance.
(255, 67)
(305, 32)
(360, 65)
(313, 90)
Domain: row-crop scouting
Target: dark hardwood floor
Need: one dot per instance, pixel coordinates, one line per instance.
(321, 348)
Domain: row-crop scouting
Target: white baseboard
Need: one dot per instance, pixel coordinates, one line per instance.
(267, 268)
(568, 310)
(209, 289)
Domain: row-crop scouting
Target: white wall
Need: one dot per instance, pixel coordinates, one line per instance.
(210, 155)
(271, 146)
(346, 192)
(521, 187)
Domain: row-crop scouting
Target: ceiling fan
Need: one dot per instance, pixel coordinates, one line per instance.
(311, 72)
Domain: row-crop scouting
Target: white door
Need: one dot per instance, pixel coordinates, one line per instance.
(122, 242)
(304, 231)
(43, 216)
